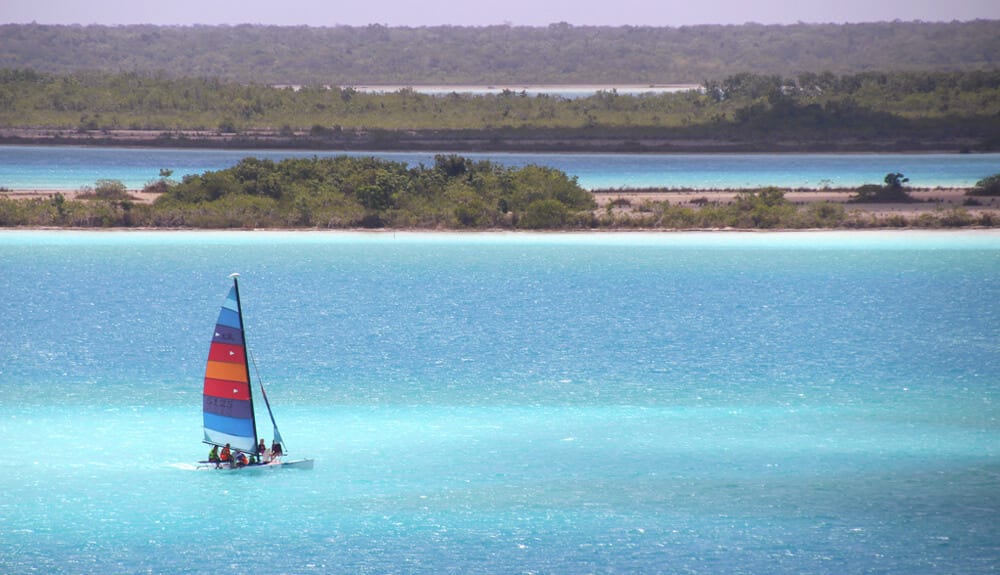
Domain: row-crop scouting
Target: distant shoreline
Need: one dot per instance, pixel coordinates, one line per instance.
(471, 141)
(531, 88)
(926, 200)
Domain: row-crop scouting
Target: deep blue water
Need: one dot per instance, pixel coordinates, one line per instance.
(70, 168)
(508, 403)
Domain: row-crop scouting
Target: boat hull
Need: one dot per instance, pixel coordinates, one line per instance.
(286, 464)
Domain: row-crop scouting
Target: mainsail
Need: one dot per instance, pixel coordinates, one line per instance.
(228, 402)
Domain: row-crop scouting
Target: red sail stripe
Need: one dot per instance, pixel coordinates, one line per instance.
(227, 389)
(227, 353)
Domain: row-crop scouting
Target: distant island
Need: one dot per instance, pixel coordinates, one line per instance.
(457, 193)
(899, 111)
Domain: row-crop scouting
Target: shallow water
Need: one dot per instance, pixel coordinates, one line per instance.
(70, 168)
(508, 403)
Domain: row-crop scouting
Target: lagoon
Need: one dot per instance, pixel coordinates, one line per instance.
(565, 91)
(71, 167)
(508, 403)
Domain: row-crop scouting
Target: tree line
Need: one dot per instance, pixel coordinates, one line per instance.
(556, 54)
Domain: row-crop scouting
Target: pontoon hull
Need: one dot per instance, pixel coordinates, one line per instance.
(290, 464)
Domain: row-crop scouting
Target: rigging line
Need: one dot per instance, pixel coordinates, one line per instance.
(263, 392)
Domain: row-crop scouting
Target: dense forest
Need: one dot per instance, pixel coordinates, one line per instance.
(819, 111)
(557, 54)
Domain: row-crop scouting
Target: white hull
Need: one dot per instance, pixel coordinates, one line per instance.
(290, 464)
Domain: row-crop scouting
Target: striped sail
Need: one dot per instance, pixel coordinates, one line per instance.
(228, 407)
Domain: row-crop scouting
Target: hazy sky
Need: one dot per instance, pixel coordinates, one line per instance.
(482, 13)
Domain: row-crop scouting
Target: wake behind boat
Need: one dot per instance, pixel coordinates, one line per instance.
(228, 411)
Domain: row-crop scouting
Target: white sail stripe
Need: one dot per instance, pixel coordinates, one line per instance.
(235, 441)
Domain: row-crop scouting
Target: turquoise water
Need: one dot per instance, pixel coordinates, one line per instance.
(508, 403)
(70, 168)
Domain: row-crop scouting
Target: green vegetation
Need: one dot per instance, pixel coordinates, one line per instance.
(892, 191)
(495, 55)
(988, 186)
(455, 193)
(107, 190)
(341, 192)
(768, 208)
(821, 111)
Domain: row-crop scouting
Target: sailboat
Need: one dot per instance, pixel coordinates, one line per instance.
(228, 410)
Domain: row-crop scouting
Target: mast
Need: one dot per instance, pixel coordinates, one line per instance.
(246, 361)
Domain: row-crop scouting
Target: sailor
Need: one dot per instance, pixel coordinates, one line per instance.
(275, 450)
(262, 451)
(225, 455)
(213, 454)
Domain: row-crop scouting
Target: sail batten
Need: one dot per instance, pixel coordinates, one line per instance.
(227, 411)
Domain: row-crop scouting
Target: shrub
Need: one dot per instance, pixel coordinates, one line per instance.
(989, 186)
(956, 218)
(542, 214)
(825, 215)
(106, 190)
(872, 193)
(892, 191)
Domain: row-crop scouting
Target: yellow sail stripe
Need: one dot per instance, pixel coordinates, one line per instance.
(226, 371)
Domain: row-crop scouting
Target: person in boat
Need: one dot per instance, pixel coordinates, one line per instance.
(275, 450)
(213, 454)
(225, 456)
(262, 452)
(241, 459)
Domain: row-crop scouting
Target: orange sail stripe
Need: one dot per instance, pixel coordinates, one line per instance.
(226, 352)
(227, 389)
(226, 371)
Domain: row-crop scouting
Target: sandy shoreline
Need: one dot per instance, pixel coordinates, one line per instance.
(137, 195)
(928, 201)
(543, 140)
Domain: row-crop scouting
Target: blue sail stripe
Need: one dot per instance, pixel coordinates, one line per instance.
(229, 408)
(226, 334)
(230, 302)
(229, 318)
(229, 425)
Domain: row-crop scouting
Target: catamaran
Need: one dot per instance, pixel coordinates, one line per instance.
(228, 410)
